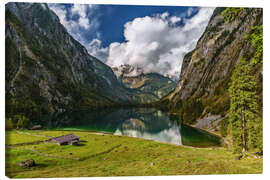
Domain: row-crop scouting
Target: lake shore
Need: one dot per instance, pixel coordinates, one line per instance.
(100, 154)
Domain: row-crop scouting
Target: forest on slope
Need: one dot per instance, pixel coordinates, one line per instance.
(48, 71)
(206, 91)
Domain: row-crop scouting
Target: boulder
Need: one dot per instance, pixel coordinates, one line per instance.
(36, 127)
(27, 163)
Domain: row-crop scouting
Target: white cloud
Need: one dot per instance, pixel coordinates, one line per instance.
(60, 11)
(190, 11)
(77, 19)
(81, 11)
(175, 19)
(95, 49)
(156, 44)
(164, 15)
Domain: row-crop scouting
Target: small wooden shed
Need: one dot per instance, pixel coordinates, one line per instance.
(70, 139)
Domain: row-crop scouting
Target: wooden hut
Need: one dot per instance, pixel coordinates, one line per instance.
(70, 139)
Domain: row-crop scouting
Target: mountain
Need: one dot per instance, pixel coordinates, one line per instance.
(202, 95)
(48, 71)
(153, 84)
(126, 70)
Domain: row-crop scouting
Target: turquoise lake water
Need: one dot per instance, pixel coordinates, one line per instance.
(146, 123)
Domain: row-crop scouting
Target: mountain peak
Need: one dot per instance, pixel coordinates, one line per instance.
(127, 70)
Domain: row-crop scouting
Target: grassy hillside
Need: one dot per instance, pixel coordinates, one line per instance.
(109, 155)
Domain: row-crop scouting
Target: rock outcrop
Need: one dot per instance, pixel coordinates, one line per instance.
(206, 71)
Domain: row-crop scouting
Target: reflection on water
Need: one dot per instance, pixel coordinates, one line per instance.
(136, 128)
(146, 123)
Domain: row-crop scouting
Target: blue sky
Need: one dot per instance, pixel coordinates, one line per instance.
(114, 17)
(152, 37)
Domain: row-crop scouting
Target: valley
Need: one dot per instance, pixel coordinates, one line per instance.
(132, 121)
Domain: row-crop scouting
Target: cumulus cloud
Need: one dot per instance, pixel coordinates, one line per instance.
(190, 11)
(156, 44)
(95, 49)
(78, 19)
(175, 19)
(81, 11)
(164, 15)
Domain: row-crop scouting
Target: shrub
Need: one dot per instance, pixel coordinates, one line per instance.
(230, 14)
(224, 127)
(23, 122)
(9, 124)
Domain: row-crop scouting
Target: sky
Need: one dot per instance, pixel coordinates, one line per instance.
(155, 38)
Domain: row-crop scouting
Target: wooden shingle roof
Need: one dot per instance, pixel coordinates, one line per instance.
(65, 138)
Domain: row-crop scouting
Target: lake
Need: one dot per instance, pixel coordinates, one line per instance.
(146, 123)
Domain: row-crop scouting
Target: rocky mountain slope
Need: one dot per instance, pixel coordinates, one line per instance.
(201, 95)
(153, 84)
(48, 71)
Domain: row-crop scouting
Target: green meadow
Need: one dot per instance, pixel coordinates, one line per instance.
(100, 154)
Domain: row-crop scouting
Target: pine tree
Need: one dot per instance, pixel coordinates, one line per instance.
(256, 39)
(245, 123)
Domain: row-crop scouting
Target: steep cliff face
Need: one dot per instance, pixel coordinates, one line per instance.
(206, 71)
(153, 85)
(48, 71)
